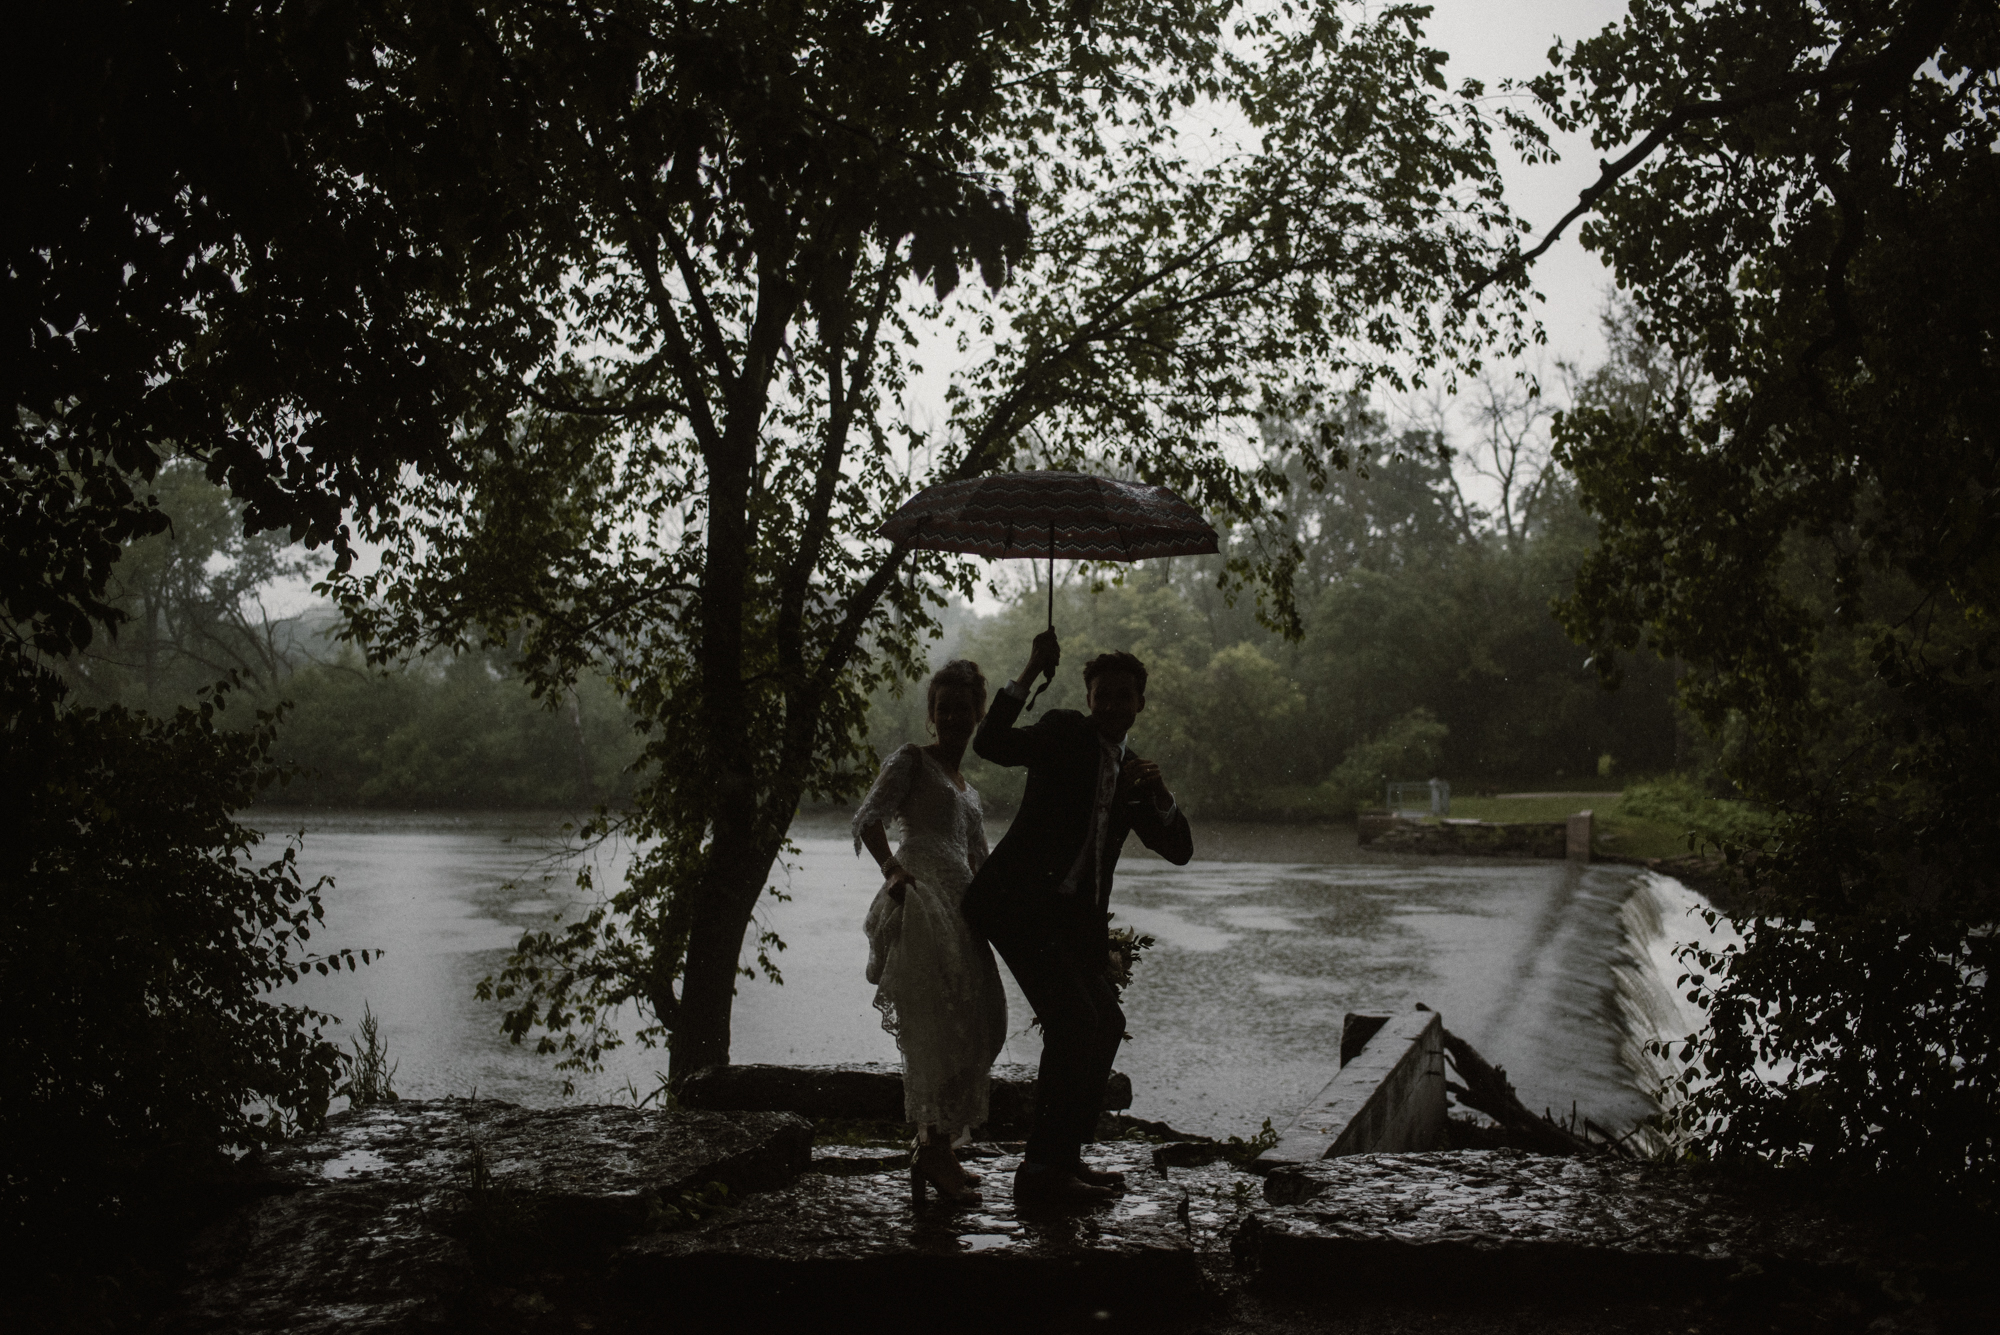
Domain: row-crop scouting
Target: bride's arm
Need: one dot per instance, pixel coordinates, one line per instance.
(877, 842)
(884, 800)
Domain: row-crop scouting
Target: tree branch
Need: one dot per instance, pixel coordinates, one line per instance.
(680, 354)
(1910, 47)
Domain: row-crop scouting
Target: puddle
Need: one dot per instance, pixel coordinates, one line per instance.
(1257, 918)
(982, 1242)
(353, 1162)
(1172, 929)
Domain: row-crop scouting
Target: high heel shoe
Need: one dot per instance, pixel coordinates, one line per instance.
(936, 1164)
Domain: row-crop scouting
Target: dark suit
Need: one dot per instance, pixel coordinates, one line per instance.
(1055, 943)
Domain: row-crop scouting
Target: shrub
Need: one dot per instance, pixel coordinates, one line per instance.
(140, 940)
(1409, 748)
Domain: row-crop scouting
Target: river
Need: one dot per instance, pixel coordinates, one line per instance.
(1266, 940)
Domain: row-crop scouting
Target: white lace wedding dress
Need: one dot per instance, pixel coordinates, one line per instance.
(936, 985)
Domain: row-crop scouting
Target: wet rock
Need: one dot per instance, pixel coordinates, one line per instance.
(600, 1156)
(1488, 1221)
(862, 1092)
(383, 1221)
(858, 1160)
(832, 1244)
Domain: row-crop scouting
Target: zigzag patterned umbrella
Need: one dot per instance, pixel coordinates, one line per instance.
(1050, 514)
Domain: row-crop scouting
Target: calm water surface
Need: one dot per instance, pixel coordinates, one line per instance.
(1266, 940)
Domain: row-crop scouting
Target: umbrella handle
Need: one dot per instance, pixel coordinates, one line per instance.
(1052, 580)
(1048, 674)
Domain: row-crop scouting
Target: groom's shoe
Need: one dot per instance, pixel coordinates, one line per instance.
(1041, 1187)
(1094, 1177)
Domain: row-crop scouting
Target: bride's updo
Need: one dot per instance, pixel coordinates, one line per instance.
(958, 674)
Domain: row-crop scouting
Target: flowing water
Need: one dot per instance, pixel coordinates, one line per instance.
(1265, 942)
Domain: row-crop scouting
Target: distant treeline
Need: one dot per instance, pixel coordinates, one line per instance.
(1428, 649)
(462, 733)
(445, 732)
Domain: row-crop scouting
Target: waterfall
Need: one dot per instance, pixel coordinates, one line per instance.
(1659, 917)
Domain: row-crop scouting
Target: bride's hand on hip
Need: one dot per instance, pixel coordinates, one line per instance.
(898, 879)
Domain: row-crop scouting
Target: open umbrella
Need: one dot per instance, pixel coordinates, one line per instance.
(1047, 513)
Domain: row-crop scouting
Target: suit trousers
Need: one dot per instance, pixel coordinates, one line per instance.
(1082, 1026)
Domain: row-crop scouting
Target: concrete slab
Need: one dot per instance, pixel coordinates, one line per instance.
(1503, 1221)
(1387, 1097)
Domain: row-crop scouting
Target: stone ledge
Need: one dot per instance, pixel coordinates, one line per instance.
(373, 1226)
(1489, 1220)
(1465, 838)
(597, 1153)
(865, 1092)
(835, 1242)
(371, 1230)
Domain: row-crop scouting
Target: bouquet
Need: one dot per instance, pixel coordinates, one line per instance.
(1126, 946)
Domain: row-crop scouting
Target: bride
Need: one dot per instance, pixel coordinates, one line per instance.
(937, 988)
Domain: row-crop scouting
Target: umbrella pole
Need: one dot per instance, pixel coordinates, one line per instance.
(1052, 574)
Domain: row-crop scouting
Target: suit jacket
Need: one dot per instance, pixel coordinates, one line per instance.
(1016, 890)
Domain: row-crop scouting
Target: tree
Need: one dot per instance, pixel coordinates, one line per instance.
(764, 212)
(196, 265)
(1812, 526)
(189, 603)
(202, 259)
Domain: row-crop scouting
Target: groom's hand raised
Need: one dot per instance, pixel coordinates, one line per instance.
(1045, 657)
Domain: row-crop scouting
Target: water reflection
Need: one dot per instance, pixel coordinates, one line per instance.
(1265, 942)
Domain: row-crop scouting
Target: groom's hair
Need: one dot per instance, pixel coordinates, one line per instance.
(1115, 661)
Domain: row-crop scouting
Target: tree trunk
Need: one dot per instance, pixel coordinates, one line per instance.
(587, 793)
(740, 871)
(708, 993)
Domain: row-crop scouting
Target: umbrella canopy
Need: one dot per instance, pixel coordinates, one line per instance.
(1047, 513)
(1051, 514)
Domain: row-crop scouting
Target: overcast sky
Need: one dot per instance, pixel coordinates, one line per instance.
(1491, 40)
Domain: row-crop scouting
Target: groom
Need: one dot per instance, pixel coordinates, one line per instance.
(1043, 897)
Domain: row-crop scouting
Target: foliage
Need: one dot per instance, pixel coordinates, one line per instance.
(1243, 1152)
(141, 942)
(202, 259)
(1808, 521)
(186, 605)
(747, 220)
(370, 1073)
(458, 731)
(1127, 945)
(1709, 823)
(451, 731)
(196, 266)
(1408, 749)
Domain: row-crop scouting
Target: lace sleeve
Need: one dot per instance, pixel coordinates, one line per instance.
(892, 785)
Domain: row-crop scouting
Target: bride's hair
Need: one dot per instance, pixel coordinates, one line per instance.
(958, 673)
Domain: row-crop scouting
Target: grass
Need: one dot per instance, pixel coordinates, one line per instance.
(1616, 832)
(1653, 824)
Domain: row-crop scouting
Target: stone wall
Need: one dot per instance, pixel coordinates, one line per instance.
(1388, 1097)
(1467, 838)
